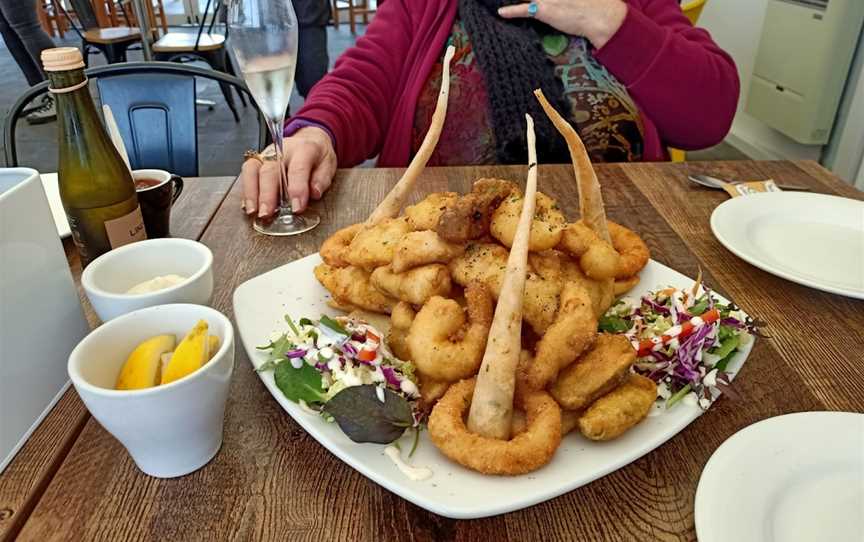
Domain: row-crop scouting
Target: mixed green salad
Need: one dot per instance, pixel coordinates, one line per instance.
(684, 340)
(342, 369)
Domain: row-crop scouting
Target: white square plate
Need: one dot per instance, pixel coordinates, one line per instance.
(260, 305)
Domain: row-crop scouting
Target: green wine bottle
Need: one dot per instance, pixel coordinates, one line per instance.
(96, 187)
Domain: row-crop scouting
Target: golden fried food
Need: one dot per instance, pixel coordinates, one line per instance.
(400, 323)
(597, 258)
(600, 370)
(352, 287)
(619, 410)
(430, 391)
(423, 247)
(334, 250)
(415, 286)
(445, 344)
(633, 250)
(487, 263)
(374, 246)
(525, 452)
(574, 330)
(569, 422)
(546, 227)
(425, 214)
(622, 286)
(469, 217)
(558, 266)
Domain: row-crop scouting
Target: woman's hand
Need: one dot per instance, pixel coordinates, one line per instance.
(311, 163)
(597, 20)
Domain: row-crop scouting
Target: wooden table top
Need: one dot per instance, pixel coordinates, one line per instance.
(272, 481)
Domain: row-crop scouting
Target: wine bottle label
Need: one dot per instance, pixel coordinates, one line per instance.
(126, 229)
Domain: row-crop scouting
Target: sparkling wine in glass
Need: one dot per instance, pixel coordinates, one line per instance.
(263, 36)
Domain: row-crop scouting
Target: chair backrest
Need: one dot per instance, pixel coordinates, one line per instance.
(693, 9)
(142, 112)
(86, 15)
(156, 117)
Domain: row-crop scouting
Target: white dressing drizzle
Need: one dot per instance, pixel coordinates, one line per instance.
(413, 473)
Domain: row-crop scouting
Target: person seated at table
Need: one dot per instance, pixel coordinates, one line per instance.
(632, 76)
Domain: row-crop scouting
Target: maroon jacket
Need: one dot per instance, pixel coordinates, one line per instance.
(685, 86)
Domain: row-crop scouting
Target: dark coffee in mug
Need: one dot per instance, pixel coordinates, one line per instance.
(157, 191)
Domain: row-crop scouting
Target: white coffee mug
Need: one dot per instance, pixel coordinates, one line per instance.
(172, 429)
(41, 318)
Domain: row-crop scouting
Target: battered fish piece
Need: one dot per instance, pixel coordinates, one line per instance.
(425, 214)
(599, 371)
(574, 330)
(400, 323)
(352, 287)
(487, 263)
(546, 227)
(430, 391)
(619, 410)
(423, 247)
(555, 265)
(415, 286)
(375, 246)
(469, 217)
(334, 250)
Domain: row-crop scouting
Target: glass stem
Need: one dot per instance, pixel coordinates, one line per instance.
(275, 126)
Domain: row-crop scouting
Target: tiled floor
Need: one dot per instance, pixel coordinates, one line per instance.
(221, 140)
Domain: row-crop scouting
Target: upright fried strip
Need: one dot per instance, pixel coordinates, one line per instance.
(492, 404)
(590, 198)
(393, 202)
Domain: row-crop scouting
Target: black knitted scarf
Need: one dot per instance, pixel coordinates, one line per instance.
(513, 63)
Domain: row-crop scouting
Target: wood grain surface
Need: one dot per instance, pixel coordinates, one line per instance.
(26, 477)
(271, 481)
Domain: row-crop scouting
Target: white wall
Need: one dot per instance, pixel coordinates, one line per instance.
(844, 154)
(736, 26)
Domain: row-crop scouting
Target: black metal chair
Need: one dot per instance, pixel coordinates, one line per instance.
(154, 108)
(111, 42)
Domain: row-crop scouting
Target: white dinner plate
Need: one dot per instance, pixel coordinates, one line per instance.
(793, 478)
(52, 191)
(812, 239)
(260, 305)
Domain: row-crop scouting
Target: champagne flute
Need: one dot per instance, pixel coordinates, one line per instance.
(264, 36)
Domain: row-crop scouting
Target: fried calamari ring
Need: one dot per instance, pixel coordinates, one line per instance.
(525, 452)
(546, 227)
(574, 330)
(415, 286)
(334, 249)
(374, 246)
(633, 250)
(442, 346)
(423, 247)
(425, 214)
(613, 414)
(351, 288)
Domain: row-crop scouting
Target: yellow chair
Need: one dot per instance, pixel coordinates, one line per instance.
(692, 10)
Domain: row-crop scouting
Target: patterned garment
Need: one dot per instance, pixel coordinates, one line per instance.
(603, 111)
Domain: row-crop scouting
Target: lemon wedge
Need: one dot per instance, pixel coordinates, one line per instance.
(192, 352)
(143, 366)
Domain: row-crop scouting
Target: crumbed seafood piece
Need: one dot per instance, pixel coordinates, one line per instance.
(616, 412)
(557, 266)
(469, 217)
(400, 323)
(430, 391)
(546, 227)
(573, 331)
(334, 250)
(352, 287)
(419, 248)
(569, 422)
(633, 250)
(425, 214)
(446, 344)
(525, 452)
(374, 246)
(487, 263)
(622, 286)
(415, 286)
(599, 371)
(597, 258)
